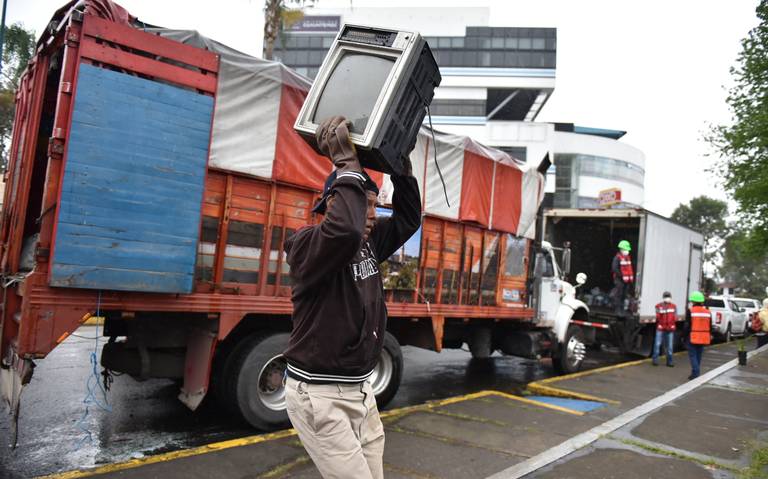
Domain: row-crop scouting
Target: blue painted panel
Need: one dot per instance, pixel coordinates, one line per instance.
(573, 404)
(129, 213)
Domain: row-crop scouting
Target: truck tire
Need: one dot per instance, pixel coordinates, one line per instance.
(728, 336)
(570, 355)
(253, 380)
(386, 377)
(480, 343)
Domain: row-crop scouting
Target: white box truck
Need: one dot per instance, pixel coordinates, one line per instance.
(666, 256)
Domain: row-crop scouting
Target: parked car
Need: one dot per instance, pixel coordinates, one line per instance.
(751, 307)
(728, 318)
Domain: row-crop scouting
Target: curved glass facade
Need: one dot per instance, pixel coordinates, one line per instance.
(572, 167)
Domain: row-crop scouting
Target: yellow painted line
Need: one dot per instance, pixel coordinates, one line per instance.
(591, 371)
(246, 441)
(133, 463)
(538, 403)
(545, 390)
(543, 386)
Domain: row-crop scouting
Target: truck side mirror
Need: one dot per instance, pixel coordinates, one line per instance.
(581, 278)
(567, 258)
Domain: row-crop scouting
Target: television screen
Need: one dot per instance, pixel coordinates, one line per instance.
(353, 88)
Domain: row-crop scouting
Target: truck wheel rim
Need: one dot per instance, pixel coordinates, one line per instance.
(271, 389)
(382, 373)
(575, 351)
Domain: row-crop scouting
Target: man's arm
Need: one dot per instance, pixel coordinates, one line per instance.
(615, 269)
(322, 249)
(391, 233)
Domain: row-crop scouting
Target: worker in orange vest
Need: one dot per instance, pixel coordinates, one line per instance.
(698, 327)
(623, 276)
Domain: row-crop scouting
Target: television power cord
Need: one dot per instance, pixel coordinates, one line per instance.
(437, 165)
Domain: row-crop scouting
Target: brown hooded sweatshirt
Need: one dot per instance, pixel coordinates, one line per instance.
(339, 312)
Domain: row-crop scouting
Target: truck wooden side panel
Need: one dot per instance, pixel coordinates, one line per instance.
(233, 258)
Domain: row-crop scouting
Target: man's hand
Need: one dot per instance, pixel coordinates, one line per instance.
(333, 140)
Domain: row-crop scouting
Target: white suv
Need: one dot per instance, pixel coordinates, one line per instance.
(728, 318)
(751, 307)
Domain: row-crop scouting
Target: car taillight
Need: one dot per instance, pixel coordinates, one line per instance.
(719, 318)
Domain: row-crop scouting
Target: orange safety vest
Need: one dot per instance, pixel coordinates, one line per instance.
(625, 267)
(701, 322)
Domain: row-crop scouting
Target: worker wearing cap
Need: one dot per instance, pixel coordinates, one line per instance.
(666, 316)
(698, 329)
(339, 314)
(623, 276)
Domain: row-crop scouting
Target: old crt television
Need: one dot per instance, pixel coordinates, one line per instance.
(379, 79)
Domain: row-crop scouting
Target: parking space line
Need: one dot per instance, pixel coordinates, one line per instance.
(245, 441)
(169, 456)
(544, 386)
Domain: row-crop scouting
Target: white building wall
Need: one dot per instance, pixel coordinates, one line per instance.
(597, 146)
(590, 186)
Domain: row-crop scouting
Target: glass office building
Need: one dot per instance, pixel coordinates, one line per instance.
(496, 80)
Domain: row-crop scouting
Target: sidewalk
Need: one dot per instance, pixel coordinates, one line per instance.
(572, 426)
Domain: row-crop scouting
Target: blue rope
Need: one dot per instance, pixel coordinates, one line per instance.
(93, 387)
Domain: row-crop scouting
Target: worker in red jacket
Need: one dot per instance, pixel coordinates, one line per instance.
(623, 277)
(666, 316)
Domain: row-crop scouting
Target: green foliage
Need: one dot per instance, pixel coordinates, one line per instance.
(743, 145)
(758, 463)
(399, 276)
(279, 14)
(19, 46)
(706, 215)
(745, 263)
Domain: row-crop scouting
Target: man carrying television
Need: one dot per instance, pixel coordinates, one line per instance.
(339, 315)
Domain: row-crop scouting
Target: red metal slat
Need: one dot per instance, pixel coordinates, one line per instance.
(112, 56)
(133, 38)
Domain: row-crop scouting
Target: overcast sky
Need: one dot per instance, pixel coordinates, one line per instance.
(655, 68)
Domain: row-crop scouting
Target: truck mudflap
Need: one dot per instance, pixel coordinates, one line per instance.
(15, 373)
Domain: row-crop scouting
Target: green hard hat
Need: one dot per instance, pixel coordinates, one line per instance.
(624, 244)
(696, 297)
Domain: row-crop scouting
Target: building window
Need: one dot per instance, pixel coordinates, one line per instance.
(571, 167)
(455, 107)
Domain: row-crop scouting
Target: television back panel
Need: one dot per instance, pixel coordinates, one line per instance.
(399, 111)
(397, 135)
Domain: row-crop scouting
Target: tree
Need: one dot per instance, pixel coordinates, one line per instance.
(19, 46)
(743, 145)
(743, 266)
(279, 14)
(706, 215)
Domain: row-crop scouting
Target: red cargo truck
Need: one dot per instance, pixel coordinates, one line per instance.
(153, 179)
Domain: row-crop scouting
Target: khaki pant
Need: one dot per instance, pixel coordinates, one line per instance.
(340, 427)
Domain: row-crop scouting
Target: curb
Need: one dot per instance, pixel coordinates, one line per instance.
(584, 439)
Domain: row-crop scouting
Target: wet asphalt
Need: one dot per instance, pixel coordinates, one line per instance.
(145, 418)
